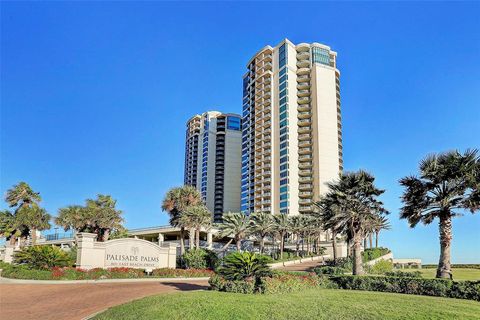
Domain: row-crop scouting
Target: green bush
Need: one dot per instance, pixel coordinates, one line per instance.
(43, 257)
(345, 263)
(200, 259)
(380, 267)
(328, 270)
(404, 274)
(243, 265)
(374, 253)
(429, 287)
(285, 283)
(219, 283)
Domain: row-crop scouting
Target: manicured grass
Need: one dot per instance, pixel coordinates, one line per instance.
(459, 274)
(310, 304)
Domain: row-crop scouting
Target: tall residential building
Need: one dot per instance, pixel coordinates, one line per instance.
(291, 127)
(213, 160)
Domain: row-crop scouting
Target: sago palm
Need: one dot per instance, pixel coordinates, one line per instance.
(448, 184)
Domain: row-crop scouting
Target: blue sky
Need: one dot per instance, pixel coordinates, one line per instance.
(94, 96)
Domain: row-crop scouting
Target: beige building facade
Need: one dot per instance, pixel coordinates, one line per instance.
(213, 160)
(291, 127)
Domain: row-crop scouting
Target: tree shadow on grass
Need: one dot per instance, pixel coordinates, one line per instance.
(183, 286)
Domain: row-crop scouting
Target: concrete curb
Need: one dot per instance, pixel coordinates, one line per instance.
(23, 281)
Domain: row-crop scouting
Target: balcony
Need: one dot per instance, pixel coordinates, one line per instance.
(303, 64)
(304, 122)
(305, 208)
(303, 100)
(301, 71)
(303, 165)
(303, 47)
(305, 179)
(303, 93)
(305, 55)
(303, 107)
(305, 193)
(305, 201)
(305, 157)
(305, 129)
(303, 85)
(304, 137)
(305, 186)
(304, 150)
(305, 143)
(305, 172)
(304, 115)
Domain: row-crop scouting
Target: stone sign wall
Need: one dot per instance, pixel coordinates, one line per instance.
(126, 252)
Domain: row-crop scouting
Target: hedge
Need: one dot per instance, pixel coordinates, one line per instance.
(429, 287)
(374, 253)
(459, 265)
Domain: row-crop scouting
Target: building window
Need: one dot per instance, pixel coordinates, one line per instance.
(320, 55)
(233, 123)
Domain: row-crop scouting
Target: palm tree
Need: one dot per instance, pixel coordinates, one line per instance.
(447, 184)
(262, 225)
(34, 218)
(104, 215)
(296, 226)
(197, 217)
(282, 227)
(22, 195)
(351, 206)
(176, 201)
(10, 228)
(236, 224)
(75, 218)
(379, 223)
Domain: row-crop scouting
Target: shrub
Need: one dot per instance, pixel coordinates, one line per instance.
(328, 270)
(344, 263)
(464, 266)
(404, 274)
(243, 265)
(219, 283)
(374, 253)
(420, 286)
(380, 267)
(181, 273)
(285, 283)
(43, 257)
(200, 259)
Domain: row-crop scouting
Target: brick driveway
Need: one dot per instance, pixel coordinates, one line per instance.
(77, 301)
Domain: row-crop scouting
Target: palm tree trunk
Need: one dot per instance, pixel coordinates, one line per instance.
(357, 256)
(282, 244)
(262, 244)
(106, 234)
(34, 236)
(197, 236)
(376, 238)
(191, 239)
(182, 241)
(13, 240)
(238, 243)
(334, 245)
(297, 242)
(445, 228)
(370, 238)
(364, 243)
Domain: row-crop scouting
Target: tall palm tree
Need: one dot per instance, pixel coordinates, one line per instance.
(282, 227)
(448, 184)
(198, 217)
(23, 197)
(296, 226)
(262, 225)
(237, 225)
(176, 201)
(75, 218)
(352, 204)
(10, 228)
(379, 223)
(35, 218)
(104, 215)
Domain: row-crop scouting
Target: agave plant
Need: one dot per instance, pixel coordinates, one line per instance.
(244, 265)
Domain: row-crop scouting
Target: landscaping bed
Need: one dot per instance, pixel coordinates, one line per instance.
(70, 273)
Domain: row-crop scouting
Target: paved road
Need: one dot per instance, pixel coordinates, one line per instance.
(77, 301)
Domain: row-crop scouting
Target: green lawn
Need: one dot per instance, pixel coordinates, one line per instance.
(458, 273)
(310, 304)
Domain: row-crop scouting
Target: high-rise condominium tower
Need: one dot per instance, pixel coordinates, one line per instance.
(212, 160)
(291, 128)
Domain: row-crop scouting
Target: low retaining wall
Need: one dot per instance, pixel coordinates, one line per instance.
(298, 261)
(388, 256)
